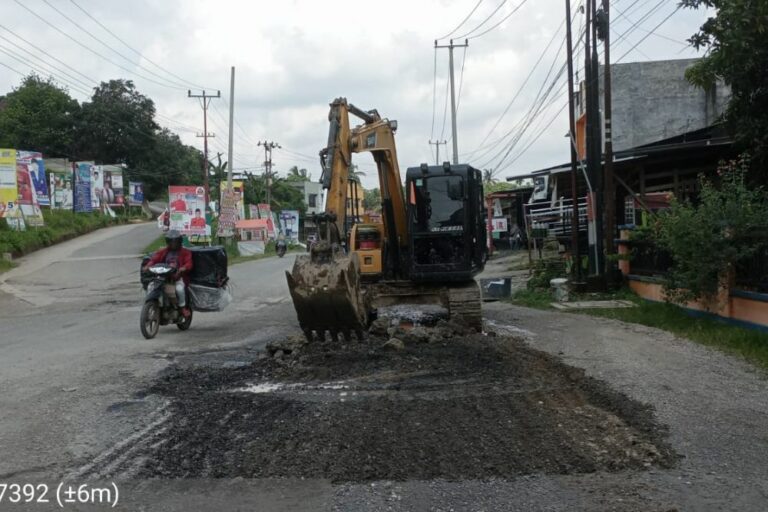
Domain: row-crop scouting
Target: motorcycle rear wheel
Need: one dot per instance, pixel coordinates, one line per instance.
(185, 322)
(150, 319)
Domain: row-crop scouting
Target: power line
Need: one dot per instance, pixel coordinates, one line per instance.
(505, 18)
(463, 21)
(651, 32)
(134, 50)
(92, 50)
(108, 47)
(484, 21)
(461, 78)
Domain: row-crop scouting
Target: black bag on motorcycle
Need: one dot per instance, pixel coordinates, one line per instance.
(209, 266)
(145, 277)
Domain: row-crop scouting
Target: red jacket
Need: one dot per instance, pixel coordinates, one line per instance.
(184, 256)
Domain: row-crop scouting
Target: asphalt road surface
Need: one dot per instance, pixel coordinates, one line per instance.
(74, 370)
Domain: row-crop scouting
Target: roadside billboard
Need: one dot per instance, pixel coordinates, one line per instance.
(187, 210)
(83, 202)
(135, 193)
(97, 186)
(289, 224)
(35, 165)
(227, 213)
(112, 192)
(60, 183)
(8, 190)
(27, 201)
(237, 186)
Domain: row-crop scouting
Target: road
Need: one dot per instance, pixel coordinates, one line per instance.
(71, 346)
(74, 373)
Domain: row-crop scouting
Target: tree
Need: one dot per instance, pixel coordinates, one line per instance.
(736, 52)
(372, 200)
(167, 162)
(296, 174)
(218, 173)
(488, 178)
(354, 174)
(117, 125)
(39, 116)
(284, 196)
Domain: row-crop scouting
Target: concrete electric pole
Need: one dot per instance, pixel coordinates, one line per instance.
(437, 149)
(268, 147)
(230, 157)
(454, 136)
(205, 100)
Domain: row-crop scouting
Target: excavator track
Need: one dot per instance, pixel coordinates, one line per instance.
(462, 300)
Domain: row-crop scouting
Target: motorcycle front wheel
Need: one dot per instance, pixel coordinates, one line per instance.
(150, 319)
(185, 322)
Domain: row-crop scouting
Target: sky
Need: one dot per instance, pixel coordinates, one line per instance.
(293, 57)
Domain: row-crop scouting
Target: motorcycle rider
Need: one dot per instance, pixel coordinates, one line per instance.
(176, 256)
(281, 246)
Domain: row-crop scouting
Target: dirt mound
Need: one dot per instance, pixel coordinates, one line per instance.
(471, 406)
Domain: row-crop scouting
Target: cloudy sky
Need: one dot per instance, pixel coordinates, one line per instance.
(294, 56)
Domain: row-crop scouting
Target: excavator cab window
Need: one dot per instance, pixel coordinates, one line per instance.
(439, 203)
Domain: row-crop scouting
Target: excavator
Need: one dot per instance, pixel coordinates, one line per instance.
(428, 247)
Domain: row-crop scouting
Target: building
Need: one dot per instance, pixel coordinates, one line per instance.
(313, 195)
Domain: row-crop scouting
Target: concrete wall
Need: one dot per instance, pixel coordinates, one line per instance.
(653, 101)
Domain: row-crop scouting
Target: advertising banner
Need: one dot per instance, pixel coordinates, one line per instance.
(135, 193)
(227, 213)
(27, 201)
(187, 209)
(112, 192)
(266, 213)
(289, 224)
(60, 183)
(237, 186)
(97, 186)
(8, 191)
(36, 168)
(83, 202)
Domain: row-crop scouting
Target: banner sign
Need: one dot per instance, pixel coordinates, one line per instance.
(289, 224)
(237, 187)
(60, 183)
(187, 208)
(112, 192)
(500, 224)
(36, 168)
(97, 185)
(227, 213)
(135, 193)
(27, 201)
(83, 202)
(8, 189)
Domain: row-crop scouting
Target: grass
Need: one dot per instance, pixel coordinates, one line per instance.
(751, 344)
(5, 265)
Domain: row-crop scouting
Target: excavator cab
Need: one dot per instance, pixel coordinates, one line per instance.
(446, 216)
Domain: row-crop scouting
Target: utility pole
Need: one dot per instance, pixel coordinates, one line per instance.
(609, 190)
(437, 149)
(454, 136)
(230, 157)
(205, 100)
(575, 256)
(268, 147)
(593, 136)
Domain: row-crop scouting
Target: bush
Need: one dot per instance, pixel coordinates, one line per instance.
(544, 271)
(726, 227)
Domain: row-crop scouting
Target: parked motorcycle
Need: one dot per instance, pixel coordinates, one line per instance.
(160, 303)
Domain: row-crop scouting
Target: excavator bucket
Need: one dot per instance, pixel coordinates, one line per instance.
(327, 296)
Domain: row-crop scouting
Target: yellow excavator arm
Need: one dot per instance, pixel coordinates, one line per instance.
(325, 286)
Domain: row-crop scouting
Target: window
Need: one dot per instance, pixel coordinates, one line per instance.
(439, 203)
(312, 202)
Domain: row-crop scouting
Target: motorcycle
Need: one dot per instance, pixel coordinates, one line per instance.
(281, 248)
(160, 302)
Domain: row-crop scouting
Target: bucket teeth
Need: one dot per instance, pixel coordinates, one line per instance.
(327, 296)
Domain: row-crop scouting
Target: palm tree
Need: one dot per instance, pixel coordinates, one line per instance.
(488, 178)
(354, 174)
(296, 174)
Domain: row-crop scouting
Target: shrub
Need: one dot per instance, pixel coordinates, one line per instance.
(727, 226)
